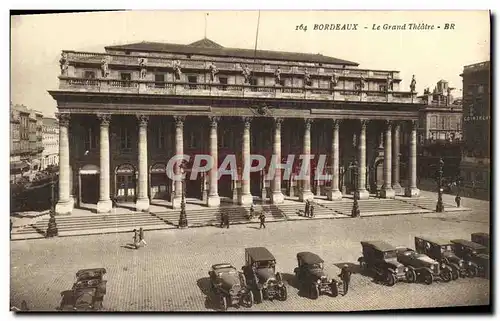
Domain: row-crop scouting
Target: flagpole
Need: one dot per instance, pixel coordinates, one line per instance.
(206, 15)
(256, 39)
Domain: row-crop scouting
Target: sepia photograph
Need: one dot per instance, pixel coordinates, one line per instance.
(243, 161)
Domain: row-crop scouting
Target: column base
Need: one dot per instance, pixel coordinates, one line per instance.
(277, 197)
(412, 192)
(64, 208)
(213, 200)
(363, 194)
(398, 189)
(142, 205)
(176, 202)
(387, 193)
(104, 206)
(306, 195)
(334, 195)
(246, 199)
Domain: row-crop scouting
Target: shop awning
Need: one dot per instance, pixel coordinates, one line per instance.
(89, 169)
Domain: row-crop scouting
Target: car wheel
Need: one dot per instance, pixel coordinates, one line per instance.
(446, 275)
(247, 299)
(428, 278)
(259, 297)
(455, 274)
(314, 292)
(411, 276)
(223, 303)
(283, 293)
(472, 272)
(390, 280)
(334, 289)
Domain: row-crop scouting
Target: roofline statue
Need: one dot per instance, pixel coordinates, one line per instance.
(277, 76)
(64, 64)
(247, 73)
(413, 84)
(176, 65)
(105, 67)
(144, 71)
(213, 71)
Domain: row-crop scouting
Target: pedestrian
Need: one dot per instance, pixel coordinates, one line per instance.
(262, 218)
(252, 212)
(136, 239)
(306, 211)
(458, 199)
(311, 210)
(141, 237)
(222, 219)
(226, 220)
(345, 276)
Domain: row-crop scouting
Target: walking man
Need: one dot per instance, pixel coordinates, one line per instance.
(226, 220)
(458, 199)
(136, 239)
(262, 218)
(222, 219)
(311, 210)
(252, 212)
(141, 237)
(306, 211)
(345, 276)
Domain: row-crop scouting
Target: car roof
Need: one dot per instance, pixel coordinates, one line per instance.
(481, 234)
(309, 258)
(259, 254)
(222, 266)
(475, 246)
(436, 240)
(379, 245)
(90, 271)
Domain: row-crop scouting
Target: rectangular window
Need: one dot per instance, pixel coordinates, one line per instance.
(382, 88)
(161, 138)
(192, 80)
(125, 143)
(90, 139)
(159, 80)
(223, 81)
(193, 141)
(89, 74)
(126, 76)
(253, 82)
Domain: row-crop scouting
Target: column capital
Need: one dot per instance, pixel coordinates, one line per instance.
(105, 119)
(396, 125)
(179, 121)
(143, 119)
(213, 121)
(278, 121)
(364, 123)
(388, 124)
(336, 123)
(308, 122)
(246, 121)
(63, 119)
(414, 124)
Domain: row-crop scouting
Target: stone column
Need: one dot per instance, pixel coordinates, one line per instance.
(335, 193)
(179, 150)
(142, 202)
(277, 196)
(65, 203)
(213, 193)
(104, 205)
(387, 191)
(363, 193)
(245, 196)
(396, 186)
(306, 193)
(412, 190)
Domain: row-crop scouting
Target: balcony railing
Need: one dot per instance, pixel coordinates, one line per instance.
(232, 90)
(235, 65)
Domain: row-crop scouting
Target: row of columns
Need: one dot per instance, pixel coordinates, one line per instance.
(391, 163)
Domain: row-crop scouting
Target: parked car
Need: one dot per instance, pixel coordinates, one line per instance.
(380, 258)
(441, 251)
(476, 255)
(312, 277)
(230, 286)
(422, 267)
(481, 238)
(262, 278)
(87, 292)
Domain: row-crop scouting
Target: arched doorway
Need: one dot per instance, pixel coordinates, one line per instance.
(88, 177)
(125, 182)
(160, 183)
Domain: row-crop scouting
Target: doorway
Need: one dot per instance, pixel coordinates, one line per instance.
(194, 188)
(125, 183)
(159, 182)
(90, 188)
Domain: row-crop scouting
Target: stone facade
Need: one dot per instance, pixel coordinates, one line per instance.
(50, 141)
(122, 124)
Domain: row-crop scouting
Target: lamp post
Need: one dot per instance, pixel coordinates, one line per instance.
(52, 227)
(182, 218)
(355, 206)
(439, 205)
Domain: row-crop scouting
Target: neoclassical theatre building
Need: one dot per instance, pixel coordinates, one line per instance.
(125, 112)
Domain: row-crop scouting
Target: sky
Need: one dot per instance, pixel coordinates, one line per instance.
(430, 55)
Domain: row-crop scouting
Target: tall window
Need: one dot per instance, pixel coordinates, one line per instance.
(193, 139)
(90, 139)
(159, 80)
(126, 77)
(433, 122)
(223, 81)
(161, 144)
(192, 80)
(125, 141)
(443, 122)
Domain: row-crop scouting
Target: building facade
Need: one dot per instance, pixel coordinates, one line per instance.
(125, 112)
(26, 140)
(475, 165)
(50, 140)
(440, 132)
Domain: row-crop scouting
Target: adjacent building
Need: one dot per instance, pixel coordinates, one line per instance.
(50, 140)
(125, 112)
(475, 165)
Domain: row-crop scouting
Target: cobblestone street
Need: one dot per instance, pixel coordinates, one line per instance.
(170, 274)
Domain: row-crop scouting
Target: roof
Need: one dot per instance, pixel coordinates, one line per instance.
(309, 258)
(222, 265)
(90, 273)
(208, 47)
(259, 254)
(481, 234)
(436, 240)
(475, 246)
(50, 121)
(379, 245)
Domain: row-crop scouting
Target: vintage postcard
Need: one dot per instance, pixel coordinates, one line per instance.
(250, 161)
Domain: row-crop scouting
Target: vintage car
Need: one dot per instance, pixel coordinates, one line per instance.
(481, 238)
(441, 251)
(475, 255)
(380, 259)
(230, 286)
(262, 278)
(87, 292)
(422, 267)
(311, 276)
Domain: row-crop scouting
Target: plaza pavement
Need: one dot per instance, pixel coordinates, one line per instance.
(170, 274)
